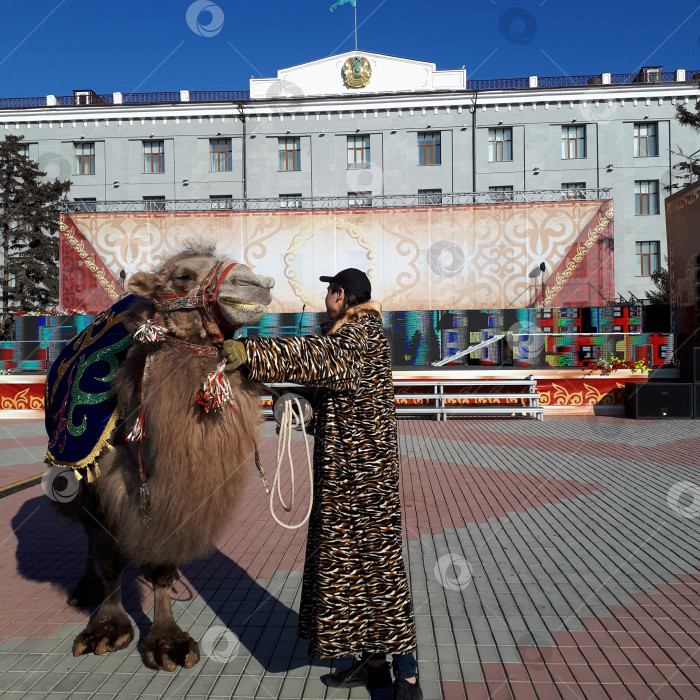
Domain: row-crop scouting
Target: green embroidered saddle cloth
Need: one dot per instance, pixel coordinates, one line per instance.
(79, 400)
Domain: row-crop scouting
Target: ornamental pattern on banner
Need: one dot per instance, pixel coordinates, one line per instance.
(420, 258)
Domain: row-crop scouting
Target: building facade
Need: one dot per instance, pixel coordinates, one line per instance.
(364, 129)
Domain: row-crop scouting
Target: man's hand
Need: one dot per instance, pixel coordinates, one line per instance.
(234, 354)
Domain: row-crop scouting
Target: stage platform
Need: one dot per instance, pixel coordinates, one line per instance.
(562, 391)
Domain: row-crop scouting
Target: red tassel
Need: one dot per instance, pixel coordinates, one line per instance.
(216, 391)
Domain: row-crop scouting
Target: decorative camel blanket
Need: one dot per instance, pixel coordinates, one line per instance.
(80, 403)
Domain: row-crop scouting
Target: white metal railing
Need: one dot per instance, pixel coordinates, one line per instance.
(438, 400)
(468, 351)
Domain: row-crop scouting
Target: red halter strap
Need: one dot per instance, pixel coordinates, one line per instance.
(202, 300)
(214, 304)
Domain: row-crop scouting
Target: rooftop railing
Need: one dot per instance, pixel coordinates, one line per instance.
(364, 201)
(219, 95)
(178, 96)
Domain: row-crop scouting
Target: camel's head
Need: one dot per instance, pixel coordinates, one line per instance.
(232, 292)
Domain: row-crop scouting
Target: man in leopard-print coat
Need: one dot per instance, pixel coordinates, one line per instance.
(355, 595)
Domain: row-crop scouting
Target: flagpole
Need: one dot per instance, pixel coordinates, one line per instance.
(356, 25)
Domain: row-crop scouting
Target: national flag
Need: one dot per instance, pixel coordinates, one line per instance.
(342, 2)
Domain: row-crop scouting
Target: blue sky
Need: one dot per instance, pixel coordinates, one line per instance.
(56, 46)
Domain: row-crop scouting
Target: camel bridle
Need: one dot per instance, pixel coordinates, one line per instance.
(204, 298)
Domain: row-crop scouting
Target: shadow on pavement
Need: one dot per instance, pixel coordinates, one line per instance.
(52, 549)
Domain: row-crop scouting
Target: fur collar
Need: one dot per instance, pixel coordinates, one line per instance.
(369, 308)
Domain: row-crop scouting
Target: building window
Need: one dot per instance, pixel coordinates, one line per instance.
(500, 145)
(85, 158)
(646, 197)
(646, 139)
(221, 201)
(573, 142)
(221, 160)
(154, 156)
(358, 152)
(289, 153)
(290, 201)
(359, 199)
(23, 150)
(429, 148)
(85, 204)
(156, 203)
(647, 258)
(429, 196)
(574, 190)
(501, 193)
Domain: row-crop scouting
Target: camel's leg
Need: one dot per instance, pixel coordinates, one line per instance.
(90, 589)
(109, 628)
(166, 646)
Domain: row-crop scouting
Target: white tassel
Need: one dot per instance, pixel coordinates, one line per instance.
(150, 332)
(138, 431)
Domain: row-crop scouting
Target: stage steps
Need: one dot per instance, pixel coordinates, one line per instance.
(438, 397)
(441, 401)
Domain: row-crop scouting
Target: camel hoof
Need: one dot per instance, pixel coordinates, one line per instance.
(167, 648)
(103, 635)
(89, 591)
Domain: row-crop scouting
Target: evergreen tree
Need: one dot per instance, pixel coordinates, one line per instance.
(660, 295)
(689, 167)
(29, 215)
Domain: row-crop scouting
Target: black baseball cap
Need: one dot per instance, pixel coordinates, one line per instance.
(353, 281)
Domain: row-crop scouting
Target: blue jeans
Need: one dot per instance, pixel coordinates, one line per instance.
(404, 666)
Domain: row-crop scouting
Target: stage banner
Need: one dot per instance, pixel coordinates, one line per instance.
(86, 283)
(504, 255)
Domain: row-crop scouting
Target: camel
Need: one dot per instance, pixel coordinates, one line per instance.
(172, 472)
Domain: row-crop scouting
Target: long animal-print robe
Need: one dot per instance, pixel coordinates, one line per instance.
(355, 592)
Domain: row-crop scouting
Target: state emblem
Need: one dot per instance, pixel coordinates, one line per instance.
(357, 72)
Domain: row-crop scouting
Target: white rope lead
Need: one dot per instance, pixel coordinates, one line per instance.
(291, 419)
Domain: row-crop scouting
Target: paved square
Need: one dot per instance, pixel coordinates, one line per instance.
(553, 559)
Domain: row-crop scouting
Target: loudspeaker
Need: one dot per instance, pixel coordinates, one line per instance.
(657, 318)
(690, 364)
(658, 400)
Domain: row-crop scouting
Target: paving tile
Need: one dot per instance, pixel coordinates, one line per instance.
(562, 598)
